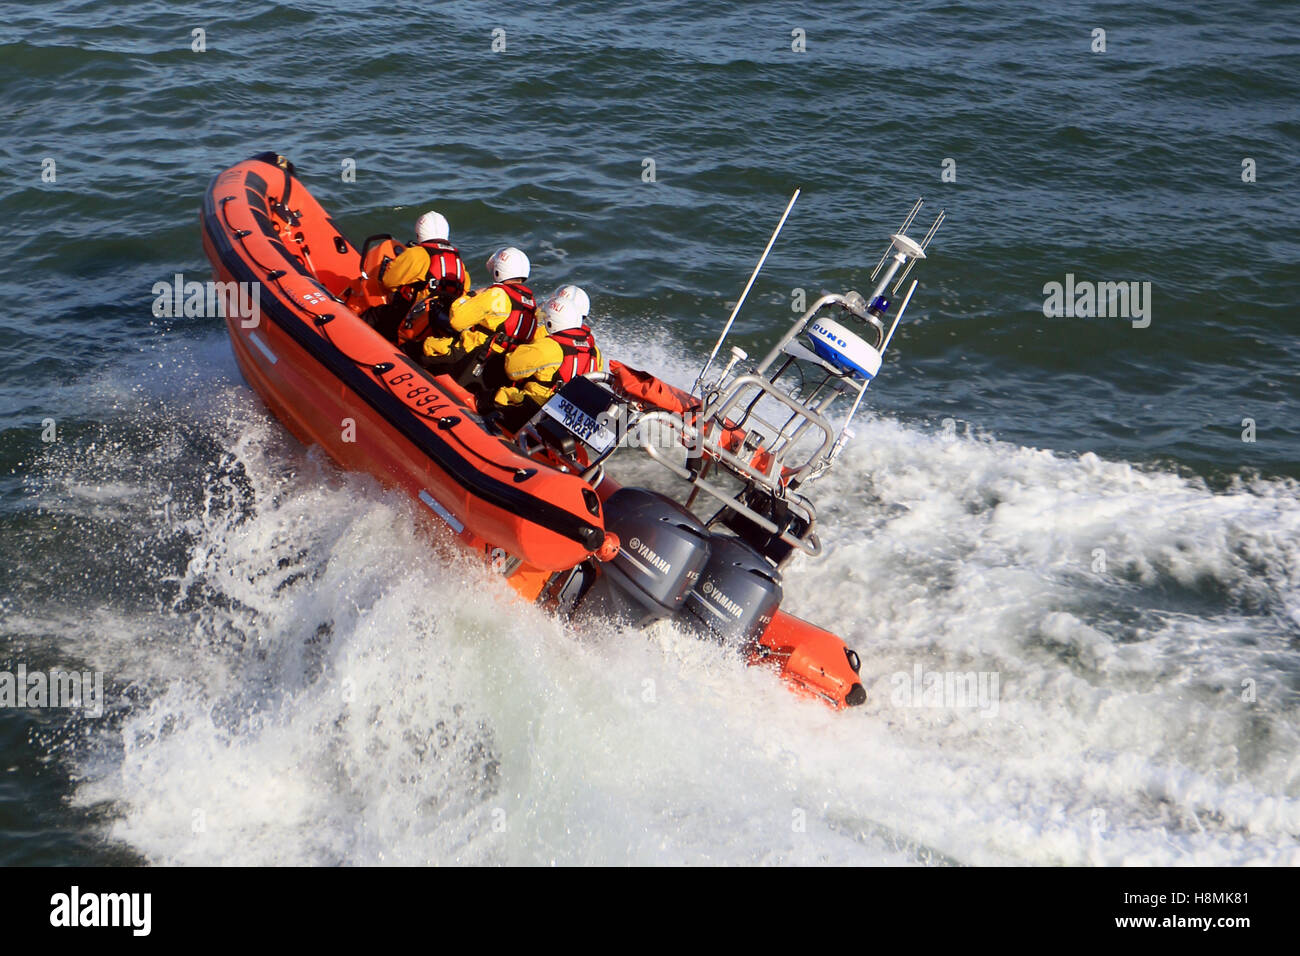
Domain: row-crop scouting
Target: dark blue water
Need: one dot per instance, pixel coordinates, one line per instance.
(225, 580)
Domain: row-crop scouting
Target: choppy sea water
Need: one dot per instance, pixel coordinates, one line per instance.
(1065, 503)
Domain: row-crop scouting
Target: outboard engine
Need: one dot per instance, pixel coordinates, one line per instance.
(737, 593)
(662, 550)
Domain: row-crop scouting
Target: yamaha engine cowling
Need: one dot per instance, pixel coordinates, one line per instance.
(737, 593)
(662, 549)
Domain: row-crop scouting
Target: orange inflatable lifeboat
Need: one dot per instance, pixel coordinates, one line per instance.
(535, 505)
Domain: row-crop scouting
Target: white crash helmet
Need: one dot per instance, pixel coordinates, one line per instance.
(432, 225)
(508, 263)
(566, 308)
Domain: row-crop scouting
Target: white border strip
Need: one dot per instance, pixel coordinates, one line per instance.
(441, 512)
(262, 346)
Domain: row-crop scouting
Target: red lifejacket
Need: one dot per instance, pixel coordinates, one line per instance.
(520, 326)
(446, 275)
(445, 281)
(580, 353)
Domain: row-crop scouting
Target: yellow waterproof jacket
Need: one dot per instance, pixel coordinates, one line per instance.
(412, 265)
(476, 316)
(533, 367)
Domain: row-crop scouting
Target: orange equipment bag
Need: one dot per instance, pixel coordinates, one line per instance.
(366, 291)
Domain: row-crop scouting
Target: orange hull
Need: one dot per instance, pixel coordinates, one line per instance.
(337, 383)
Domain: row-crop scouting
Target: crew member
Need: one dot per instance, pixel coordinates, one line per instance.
(562, 349)
(491, 322)
(425, 279)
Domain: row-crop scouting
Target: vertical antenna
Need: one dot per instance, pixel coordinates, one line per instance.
(938, 221)
(899, 317)
(902, 230)
(748, 286)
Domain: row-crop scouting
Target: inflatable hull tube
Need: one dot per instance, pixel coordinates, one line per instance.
(337, 383)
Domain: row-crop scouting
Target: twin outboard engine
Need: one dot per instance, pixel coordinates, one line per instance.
(662, 550)
(737, 594)
(669, 565)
